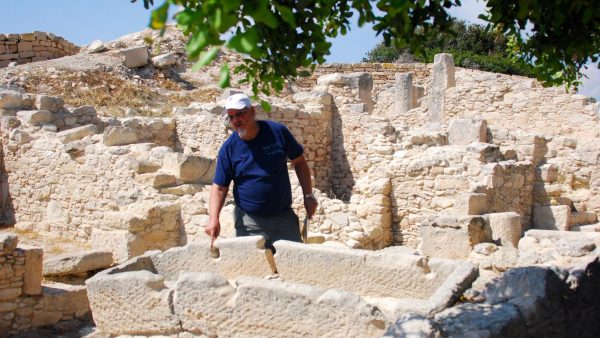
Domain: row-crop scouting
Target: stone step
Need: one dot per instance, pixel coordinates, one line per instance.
(587, 228)
(582, 218)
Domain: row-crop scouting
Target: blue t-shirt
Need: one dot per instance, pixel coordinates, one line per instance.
(258, 168)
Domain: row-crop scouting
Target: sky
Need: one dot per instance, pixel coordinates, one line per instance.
(83, 21)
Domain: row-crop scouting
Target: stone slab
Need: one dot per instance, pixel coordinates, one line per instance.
(236, 256)
(132, 302)
(77, 262)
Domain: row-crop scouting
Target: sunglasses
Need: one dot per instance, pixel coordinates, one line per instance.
(239, 114)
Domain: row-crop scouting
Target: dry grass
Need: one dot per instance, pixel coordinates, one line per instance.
(111, 93)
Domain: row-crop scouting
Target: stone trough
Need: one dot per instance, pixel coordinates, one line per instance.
(321, 290)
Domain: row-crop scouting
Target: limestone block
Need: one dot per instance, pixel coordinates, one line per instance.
(403, 95)
(60, 301)
(551, 217)
(121, 243)
(8, 242)
(549, 173)
(118, 136)
(453, 237)
(471, 204)
(135, 56)
(317, 103)
(14, 99)
(143, 301)
(537, 292)
(237, 256)
(399, 274)
(53, 104)
(189, 168)
(310, 311)
(96, 46)
(210, 315)
(164, 60)
(442, 79)
(32, 278)
(35, 117)
(465, 320)
(157, 180)
(77, 262)
(582, 218)
(465, 131)
(412, 325)
(78, 133)
(506, 227)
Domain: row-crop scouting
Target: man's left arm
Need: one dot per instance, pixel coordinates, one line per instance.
(303, 173)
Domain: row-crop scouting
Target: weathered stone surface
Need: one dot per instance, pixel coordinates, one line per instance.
(471, 204)
(143, 300)
(35, 117)
(164, 60)
(324, 312)
(400, 275)
(96, 46)
(506, 227)
(551, 217)
(60, 301)
(13, 99)
(403, 93)
(465, 131)
(189, 169)
(442, 79)
(32, 278)
(135, 57)
(53, 104)
(413, 326)
(453, 237)
(121, 243)
(77, 262)
(117, 136)
(237, 256)
(78, 133)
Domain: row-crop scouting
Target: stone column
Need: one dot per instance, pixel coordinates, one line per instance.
(403, 98)
(32, 280)
(443, 78)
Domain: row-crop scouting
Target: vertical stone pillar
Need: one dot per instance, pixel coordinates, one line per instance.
(443, 78)
(351, 110)
(32, 277)
(403, 98)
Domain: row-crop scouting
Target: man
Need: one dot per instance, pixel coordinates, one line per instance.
(255, 158)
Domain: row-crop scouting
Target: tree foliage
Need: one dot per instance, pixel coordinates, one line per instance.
(472, 45)
(280, 37)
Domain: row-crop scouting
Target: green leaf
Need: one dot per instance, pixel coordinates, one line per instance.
(197, 43)
(244, 42)
(266, 106)
(224, 76)
(206, 58)
(264, 15)
(286, 14)
(158, 18)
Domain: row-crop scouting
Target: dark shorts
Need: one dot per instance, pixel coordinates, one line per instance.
(284, 225)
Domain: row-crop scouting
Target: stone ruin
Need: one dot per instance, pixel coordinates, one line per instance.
(452, 202)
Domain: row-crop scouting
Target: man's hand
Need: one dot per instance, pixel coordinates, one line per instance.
(310, 204)
(213, 230)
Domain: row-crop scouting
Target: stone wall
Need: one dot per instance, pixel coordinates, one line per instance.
(32, 47)
(24, 302)
(201, 131)
(382, 73)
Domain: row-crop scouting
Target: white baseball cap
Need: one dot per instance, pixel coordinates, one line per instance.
(238, 101)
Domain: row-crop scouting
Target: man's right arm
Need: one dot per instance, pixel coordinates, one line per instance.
(215, 204)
